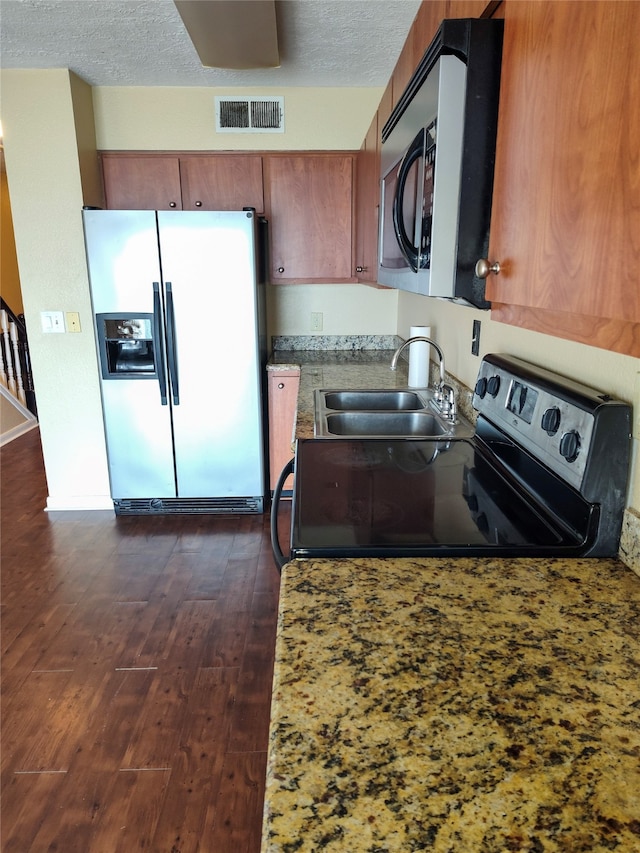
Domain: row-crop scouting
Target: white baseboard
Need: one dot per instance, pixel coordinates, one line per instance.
(75, 503)
(17, 431)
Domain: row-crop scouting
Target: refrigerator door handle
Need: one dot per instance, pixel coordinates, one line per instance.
(171, 345)
(157, 337)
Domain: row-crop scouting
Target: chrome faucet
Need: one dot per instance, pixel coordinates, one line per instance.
(445, 402)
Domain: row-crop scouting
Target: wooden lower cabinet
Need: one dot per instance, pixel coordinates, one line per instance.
(283, 386)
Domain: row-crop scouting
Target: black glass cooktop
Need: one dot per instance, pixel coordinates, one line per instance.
(417, 498)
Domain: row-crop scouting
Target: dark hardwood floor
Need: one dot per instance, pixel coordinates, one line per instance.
(137, 658)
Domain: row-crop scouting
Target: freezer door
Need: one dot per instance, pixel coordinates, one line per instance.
(209, 270)
(123, 262)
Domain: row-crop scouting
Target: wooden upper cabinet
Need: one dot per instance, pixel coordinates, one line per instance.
(566, 203)
(222, 182)
(138, 182)
(367, 206)
(428, 18)
(309, 207)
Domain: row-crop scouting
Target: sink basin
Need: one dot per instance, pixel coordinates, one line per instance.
(387, 399)
(385, 424)
(383, 413)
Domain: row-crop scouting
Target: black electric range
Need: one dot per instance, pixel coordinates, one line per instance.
(544, 474)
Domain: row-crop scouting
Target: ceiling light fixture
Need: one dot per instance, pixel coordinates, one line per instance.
(236, 34)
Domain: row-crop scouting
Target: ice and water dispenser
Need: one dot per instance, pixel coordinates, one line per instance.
(126, 346)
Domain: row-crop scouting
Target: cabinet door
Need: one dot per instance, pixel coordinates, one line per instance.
(566, 204)
(367, 205)
(283, 401)
(222, 182)
(141, 183)
(310, 217)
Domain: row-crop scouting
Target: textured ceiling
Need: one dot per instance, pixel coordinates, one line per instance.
(144, 43)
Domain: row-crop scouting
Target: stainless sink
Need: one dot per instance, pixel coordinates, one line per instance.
(386, 399)
(383, 413)
(385, 424)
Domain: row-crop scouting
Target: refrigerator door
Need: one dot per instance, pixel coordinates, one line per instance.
(123, 262)
(209, 268)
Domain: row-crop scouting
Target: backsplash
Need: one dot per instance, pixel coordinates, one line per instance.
(630, 540)
(335, 342)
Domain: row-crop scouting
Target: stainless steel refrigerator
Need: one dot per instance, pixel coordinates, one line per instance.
(178, 303)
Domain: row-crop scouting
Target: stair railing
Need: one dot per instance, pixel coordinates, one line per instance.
(15, 361)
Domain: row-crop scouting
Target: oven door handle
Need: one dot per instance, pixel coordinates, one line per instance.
(278, 556)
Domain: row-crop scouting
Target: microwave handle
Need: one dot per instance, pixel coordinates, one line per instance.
(410, 251)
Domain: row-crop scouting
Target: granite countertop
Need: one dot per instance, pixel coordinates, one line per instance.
(464, 705)
(351, 368)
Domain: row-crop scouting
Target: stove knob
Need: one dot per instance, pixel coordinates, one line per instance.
(570, 445)
(551, 420)
(493, 386)
(481, 387)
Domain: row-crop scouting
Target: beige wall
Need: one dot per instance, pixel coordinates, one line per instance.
(42, 112)
(452, 324)
(184, 119)
(9, 277)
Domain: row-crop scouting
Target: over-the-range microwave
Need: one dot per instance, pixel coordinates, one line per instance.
(437, 163)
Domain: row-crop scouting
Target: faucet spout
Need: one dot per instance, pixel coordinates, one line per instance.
(396, 355)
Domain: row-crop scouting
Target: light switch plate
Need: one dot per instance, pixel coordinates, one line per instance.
(52, 322)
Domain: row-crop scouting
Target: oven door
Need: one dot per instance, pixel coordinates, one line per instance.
(378, 498)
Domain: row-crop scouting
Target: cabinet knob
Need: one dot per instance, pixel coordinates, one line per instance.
(172, 204)
(483, 268)
(280, 269)
(198, 204)
(281, 385)
(361, 269)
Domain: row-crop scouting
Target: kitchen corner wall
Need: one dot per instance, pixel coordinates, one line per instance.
(49, 141)
(53, 125)
(49, 147)
(338, 119)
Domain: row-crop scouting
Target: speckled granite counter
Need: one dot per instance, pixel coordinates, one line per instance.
(462, 705)
(351, 368)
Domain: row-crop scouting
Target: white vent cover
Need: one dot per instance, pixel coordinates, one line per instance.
(249, 115)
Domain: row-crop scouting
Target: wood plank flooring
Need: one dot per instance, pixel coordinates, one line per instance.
(137, 659)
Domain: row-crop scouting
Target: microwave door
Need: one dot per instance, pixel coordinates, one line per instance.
(408, 203)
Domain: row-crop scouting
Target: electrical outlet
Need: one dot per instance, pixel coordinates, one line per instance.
(316, 321)
(73, 321)
(475, 338)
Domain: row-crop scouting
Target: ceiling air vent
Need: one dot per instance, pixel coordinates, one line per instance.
(249, 115)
